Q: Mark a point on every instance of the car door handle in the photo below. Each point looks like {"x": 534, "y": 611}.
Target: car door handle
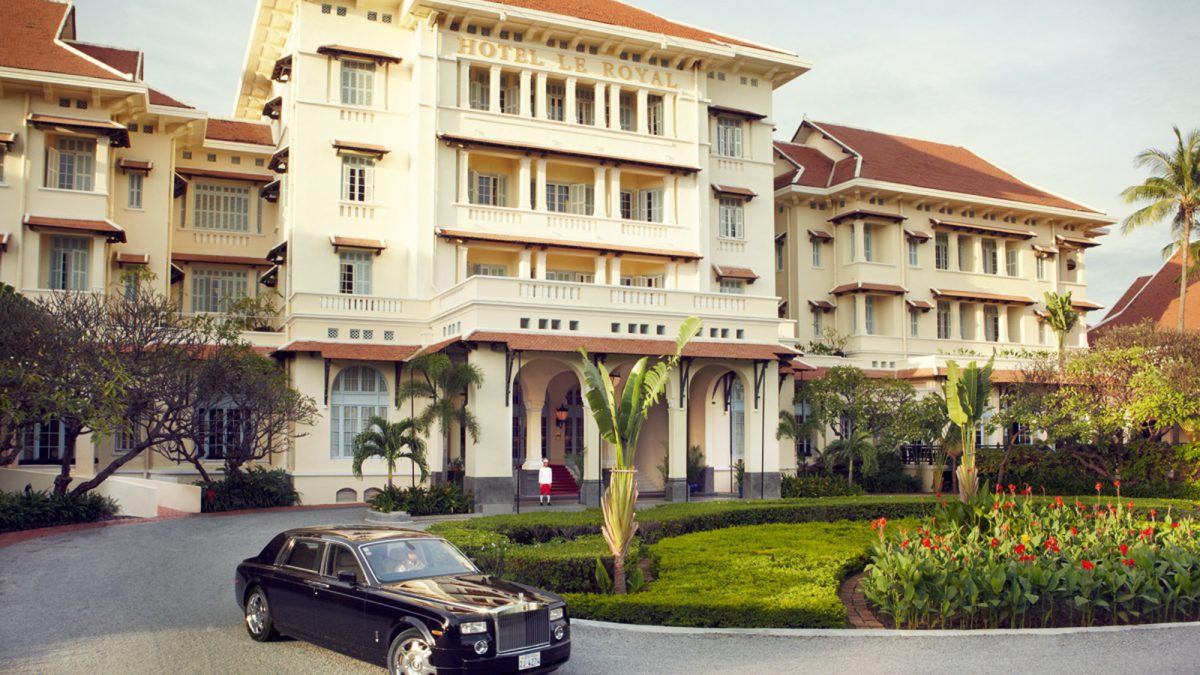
{"x": 316, "y": 584}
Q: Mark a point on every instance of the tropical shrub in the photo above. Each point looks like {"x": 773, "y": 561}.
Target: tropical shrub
{"x": 1014, "y": 561}
{"x": 889, "y": 477}
{"x": 31, "y": 509}
{"x": 1146, "y": 469}
{"x": 421, "y": 501}
{"x": 794, "y": 487}
{"x": 255, "y": 488}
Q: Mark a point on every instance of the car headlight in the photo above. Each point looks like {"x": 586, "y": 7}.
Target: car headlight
{"x": 556, "y": 613}
{"x": 473, "y": 627}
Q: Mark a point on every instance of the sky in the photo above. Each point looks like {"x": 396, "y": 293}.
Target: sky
{"x": 1061, "y": 93}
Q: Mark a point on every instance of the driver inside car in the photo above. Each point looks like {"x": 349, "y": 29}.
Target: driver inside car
{"x": 408, "y": 561}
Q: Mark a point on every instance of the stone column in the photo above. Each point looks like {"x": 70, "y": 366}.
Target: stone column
{"x": 640, "y": 124}
{"x": 669, "y": 116}
{"x": 523, "y": 106}
{"x": 524, "y": 265}
{"x": 539, "y": 267}
{"x": 671, "y": 282}
{"x": 676, "y": 489}
{"x": 598, "y": 193}
{"x": 460, "y": 263}
{"x": 856, "y": 231}
{"x": 1002, "y": 320}
{"x": 464, "y": 176}
{"x": 591, "y": 488}
{"x": 494, "y": 89}
{"x": 539, "y": 197}
{"x": 614, "y": 107}
{"x": 761, "y": 453}
{"x": 540, "y": 96}
{"x": 670, "y": 184}
{"x": 860, "y": 313}
{"x": 489, "y": 470}
{"x": 569, "y": 105}
{"x": 614, "y": 271}
{"x": 533, "y": 433}
{"x": 614, "y": 193}
{"x": 598, "y": 118}
{"x": 601, "y": 273}
{"x": 464, "y": 84}
{"x": 524, "y": 176}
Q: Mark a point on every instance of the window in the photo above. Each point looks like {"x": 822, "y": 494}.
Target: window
{"x": 853, "y": 315}
{"x": 573, "y": 277}
{"x": 1021, "y": 434}
{"x": 489, "y": 270}
{"x": 644, "y": 205}
{"x": 1012, "y": 261}
{"x": 358, "y": 179}
{"x": 358, "y": 82}
{"x": 729, "y": 137}
{"x": 943, "y": 320}
{"x": 818, "y": 322}
{"x": 341, "y": 559}
{"x": 627, "y": 111}
{"x": 964, "y": 253}
{"x": 358, "y": 394}
{"x": 43, "y": 442}
{"x": 816, "y": 253}
{"x": 732, "y": 213}
{"x": 1041, "y": 268}
{"x": 870, "y": 312}
{"x": 966, "y": 321}
{"x": 1041, "y": 332}
{"x": 585, "y": 104}
{"x": 220, "y": 431}
{"x": 733, "y": 286}
{"x": 480, "y": 88}
{"x": 71, "y": 164}
{"x": 913, "y": 254}
{"x": 488, "y": 189}
{"x": 216, "y": 290}
{"x": 868, "y": 243}
{"x": 306, "y": 555}
{"x": 69, "y": 259}
{"x": 991, "y": 323}
{"x": 578, "y": 199}
{"x": 354, "y": 272}
{"x": 804, "y": 444}
{"x": 779, "y": 256}
{"x": 135, "y": 190}
{"x": 941, "y": 251}
{"x": 556, "y": 101}
{"x": 654, "y": 115}
{"x": 991, "y": 262}
{"x": 221, "y": 207}
{"x": 737, "y": 419}
{"x": 914, "y": 323}
{"x": 642, "y": 281}
{"x": 510, "y": 94}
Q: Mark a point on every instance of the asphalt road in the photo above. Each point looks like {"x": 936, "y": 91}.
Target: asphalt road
{"x": 157, "y": 598}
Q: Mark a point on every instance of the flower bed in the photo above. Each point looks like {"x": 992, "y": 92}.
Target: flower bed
{"x": 1015, "y": 561}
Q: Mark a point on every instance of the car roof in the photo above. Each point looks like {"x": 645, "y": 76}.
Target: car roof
{"x": 358, "y": 533}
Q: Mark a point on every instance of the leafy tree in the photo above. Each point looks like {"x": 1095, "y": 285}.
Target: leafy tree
{"x": 967, "y": 393}
{"x": 1024, "y": 403}
{"x": 846, "y": 400}
{"x": 1061, "y": 317}
{"x": 858, "y": 446}
{"x": 444, "y": 384}
{"x": 620, "y": 422}
{"x": 1172, "y": 191}
{"x": 388, "y": 441}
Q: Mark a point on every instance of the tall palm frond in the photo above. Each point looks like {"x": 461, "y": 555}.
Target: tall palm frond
{"x": 1061, "y": 316}
{"x": 388, "y": 442}
{"x": 857, "y": 447}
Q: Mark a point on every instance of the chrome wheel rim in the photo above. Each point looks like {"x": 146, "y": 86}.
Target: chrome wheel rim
{"x": 256, "y": 613}
{"x": 412, "y": 658}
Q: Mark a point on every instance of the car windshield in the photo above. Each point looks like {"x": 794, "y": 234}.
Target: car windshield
{"x": 393, "y": 561}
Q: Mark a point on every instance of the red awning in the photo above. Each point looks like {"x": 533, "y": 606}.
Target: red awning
{"x": 350, "y": 351}
{"x": 730, "y": 272}
{"x": 858, "y": 214}
{"x": 735, "y": 112}
{"x": 105, "y": 228}
{"x": 223, "y": 175}
{"x": 979, "y": 296}
{"x": 219, "y": 259}
{"x": 377, "y": 245}
{"x": 861, "y": 287}
{"x": 118, "y": 136}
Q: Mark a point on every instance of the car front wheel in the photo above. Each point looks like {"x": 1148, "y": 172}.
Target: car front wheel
{"x": 410, "y": 654}
{"x": 259, "y": 623}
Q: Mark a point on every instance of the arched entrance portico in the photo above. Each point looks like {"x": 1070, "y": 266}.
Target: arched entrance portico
{"x": 548, "y": 421}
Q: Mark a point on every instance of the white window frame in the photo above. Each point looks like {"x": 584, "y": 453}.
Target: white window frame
{"x": 71, "y": 164}
{"x": 585, "y": 104}
{"x": 941, "y": 251}
{"x": 1012, "y": 261}
{"x": 779, "y": 256}
{"x": 914, "y": 254}
{"x": 510, "y": 93}
{"x": 480, "y": 88}
{"x": 357, "y": 82}
{"x": 729, "y": 137}
{"x": 70, "y": 263}
{"x": 556, "y": 101}
{"x": 358, "y": 179}
{"x": 853, "y": 315}
{"x": 869, "y": 313}
{"x": 656, "y": 115}
{"x": 732, "y": 218}
{"x": 487, "y": 189}
{"x": 991, "y": 323}
{"x": 354, "y": 272}
{"x": 627, "y": 110}
{"x": 816, "y": 253}
{"x": 642, "y": 281}
{"x": 643, "y": 205}
{"x": 1041, "y": 268}
{"x": 818, "y": 322}
{"x": 358, "y": 393}
{"x": 489, "y": 270}
{"x": 868, "y": 243}
{"x": 215, "y": 290}
{"x": 945, "y": 323}
{"x": 914, "y": 323}
{"x": 966, "y": 329}
{"x": 216, "y": 206}
{"x": 136, "y": 189}
{"x": 219, "y": 425}
{"x": 991, "y": 256}
{"x": 571, "y": 277}
{"x": 733, "y": 286}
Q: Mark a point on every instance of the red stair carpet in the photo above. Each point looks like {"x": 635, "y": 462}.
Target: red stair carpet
{"x": 564, "y": 483}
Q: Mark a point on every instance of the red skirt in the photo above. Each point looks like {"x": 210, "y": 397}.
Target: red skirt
{"x": 545, "y": 487}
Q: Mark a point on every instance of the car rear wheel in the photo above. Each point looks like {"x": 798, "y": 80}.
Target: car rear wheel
{"x": 259, "y": 623}
{"x": 410, "y": 654}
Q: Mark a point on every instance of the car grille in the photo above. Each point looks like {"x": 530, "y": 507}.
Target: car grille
{"x": 518, "y": 630}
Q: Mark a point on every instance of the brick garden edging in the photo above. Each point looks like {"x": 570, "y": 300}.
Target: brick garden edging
{"x": 858, "y": 612}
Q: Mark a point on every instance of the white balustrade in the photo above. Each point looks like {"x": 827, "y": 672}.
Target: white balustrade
{"x": 360, "y": 303}
{"x": 221, "y": 239}
{"x": 724, "y": 302}
{"x": 638, "y": 296}
{"x": 549, "y": 291}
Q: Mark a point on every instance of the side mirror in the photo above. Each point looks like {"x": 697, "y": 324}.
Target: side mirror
{"x": 347, "y": 577}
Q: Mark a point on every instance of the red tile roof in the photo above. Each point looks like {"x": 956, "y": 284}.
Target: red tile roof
{"x": 357, "y": 242}
{"x": 915, "y": 162}
{"x": 541, "y": 342}
{"x": 128, "y": 61}
{"x": 1155, "y": 298}
{"x": 159, "y": 98}
{"x": 817, "y": 167}
{"x": 731, "y": 272}
{"x": 106, "y": 228}
{"x": 219, "y": 259}
{"x": 234, "y": 131}
{"x": 349, "y": 351}
{"x": 612, "y": 13}
{"x": 30, "y": 28}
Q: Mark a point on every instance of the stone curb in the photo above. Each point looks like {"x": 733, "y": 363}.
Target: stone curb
{"x": 855, "y": 633}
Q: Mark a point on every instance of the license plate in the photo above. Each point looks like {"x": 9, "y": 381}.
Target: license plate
{"x": 527, "y": 661}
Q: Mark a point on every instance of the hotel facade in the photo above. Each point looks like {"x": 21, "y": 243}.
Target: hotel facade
{"x": 506, "y": 182}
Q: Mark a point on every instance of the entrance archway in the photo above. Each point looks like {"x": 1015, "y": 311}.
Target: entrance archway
{"x": 716, "y": 419}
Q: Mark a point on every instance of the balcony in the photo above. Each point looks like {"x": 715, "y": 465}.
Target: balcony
{"x": 570, "y": 226}
{"x": 348, "y": 306}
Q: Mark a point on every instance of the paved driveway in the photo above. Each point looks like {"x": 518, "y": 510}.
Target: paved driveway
{"x": 157, "y": 598}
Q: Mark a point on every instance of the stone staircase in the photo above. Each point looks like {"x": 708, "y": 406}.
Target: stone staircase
{"x": 564, "y": 483}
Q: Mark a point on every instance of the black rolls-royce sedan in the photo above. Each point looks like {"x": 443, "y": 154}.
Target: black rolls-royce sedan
{"x": 405, "y": 599}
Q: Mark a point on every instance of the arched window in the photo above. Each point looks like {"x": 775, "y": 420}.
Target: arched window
{"x": 359, "y": 392}
{"x": 346, "y": 496}
{"x": 370, "y": 493}
{"x": 737, "y": 419}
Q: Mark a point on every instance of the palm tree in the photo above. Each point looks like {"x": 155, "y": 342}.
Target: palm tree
{"x": 1061, "y": 317}
{"x": 442, "y": 382}
{"x": 857, "y": 446}
{"x": 620, "y": 422}
{"x": 1173, "y": 190}
{"x": 967, "y": 393}
{"x": 388, "y": 441}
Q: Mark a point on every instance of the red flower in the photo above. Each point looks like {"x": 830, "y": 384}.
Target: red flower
{"x": 1129, "y": 562}
{"x": 1153, "y": 513}
{"x": 995, "y": 542}
{"x": 1019, "y": 549}
{"x": 1012, "y": 489}
{"x": 211, "y": 495}
{"x": 1027, "y": 558}
{"x": 1099, "y": 486}
{"x": 1129, "y": 505}
{"x": 1117, "y": 484}
{"x": 1058, "y": 501}
{"x": 1175, "y": 525}
{"x": 1124, "y": 549}
{"x": 1009, "y": 505}
{"x": 1087, "y": 565}
{"x": 1074, "y": 531}
{"x": 926, "y": 543}
{"x": 1148, "y": 533}
{"x": 904, "y": 544}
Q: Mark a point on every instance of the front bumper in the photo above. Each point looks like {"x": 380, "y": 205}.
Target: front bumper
{"x": 458, "y": 661}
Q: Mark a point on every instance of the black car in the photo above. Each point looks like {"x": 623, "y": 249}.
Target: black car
{"x": 405, "y": 599}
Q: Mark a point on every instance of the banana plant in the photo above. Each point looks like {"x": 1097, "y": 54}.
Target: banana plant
{"x": 620, "y": 422}
{"x": 967, "y": 393}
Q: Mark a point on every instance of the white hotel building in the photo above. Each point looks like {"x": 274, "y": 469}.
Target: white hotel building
{"x": 504, "y": 181}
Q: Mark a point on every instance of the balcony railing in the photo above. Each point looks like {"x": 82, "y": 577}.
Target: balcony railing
{"x": 570, "y": 226}
{"x": 341, "y": 304}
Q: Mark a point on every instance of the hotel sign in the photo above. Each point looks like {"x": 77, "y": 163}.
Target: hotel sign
{"x": 575, "y": 65}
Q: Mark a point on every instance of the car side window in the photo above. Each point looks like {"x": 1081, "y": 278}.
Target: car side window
{"x": 305, "y": 555}
{"x": 341, "y": 559}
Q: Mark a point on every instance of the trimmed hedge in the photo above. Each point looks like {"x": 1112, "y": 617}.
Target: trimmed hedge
{"x": 30, "y": 510}
{"x": 809, "y": 486}
{"x": 255, "y": 488}
{"x": 758, "y": 576}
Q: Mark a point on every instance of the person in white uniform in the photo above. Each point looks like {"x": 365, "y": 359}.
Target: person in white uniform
{"x": 545, "y": 478}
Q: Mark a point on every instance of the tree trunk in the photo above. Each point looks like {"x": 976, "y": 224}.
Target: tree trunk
{"x": 107, "y": 471}
{"x": 850, "y": 472}
{"x": 1183, "y": 277}
{"x": 63, "y": 479}
{"x": 619, "y": 574}
{"x": 200, "y": 470}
